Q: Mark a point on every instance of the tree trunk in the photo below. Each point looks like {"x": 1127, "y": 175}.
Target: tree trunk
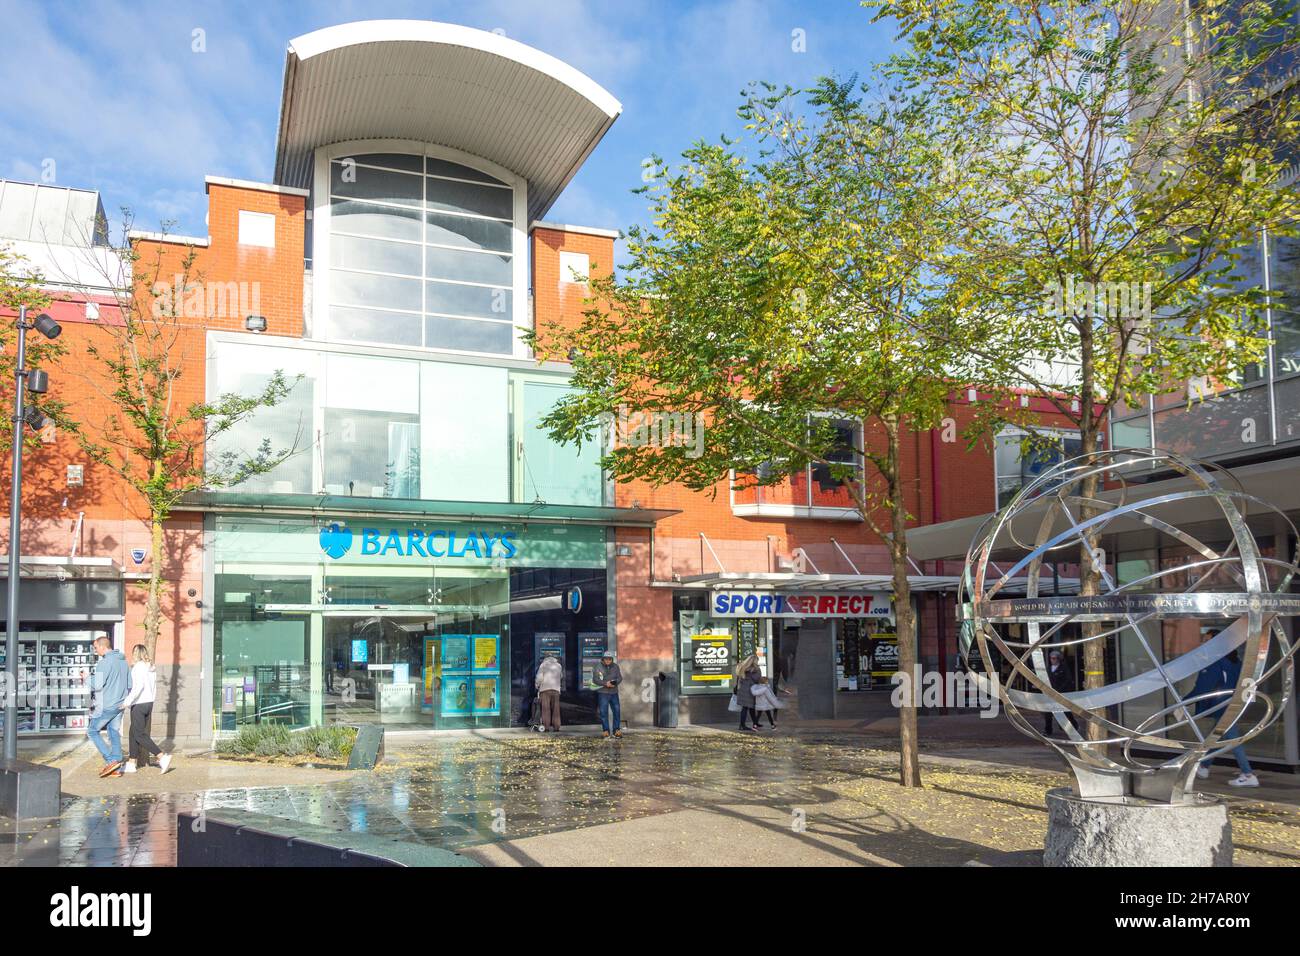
{"x": 153, "y": 604}
{"x": 909, "y": 770}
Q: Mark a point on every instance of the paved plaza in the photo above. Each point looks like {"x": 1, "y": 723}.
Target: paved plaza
{"x": 813, "y": 795}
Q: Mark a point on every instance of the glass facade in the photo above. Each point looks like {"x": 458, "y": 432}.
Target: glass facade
{"x": 1260, "y": 408}
{"x": 374, "y": 426}
{"x": 420, "y": 624}
{"x": 421, "y": 253}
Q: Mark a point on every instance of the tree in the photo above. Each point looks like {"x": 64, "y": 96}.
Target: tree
{"x": 1126, "y": 161}
{"x": 149, "y": 428}
{"x": 21, "y": 285}
{"x": 776, "y": 297}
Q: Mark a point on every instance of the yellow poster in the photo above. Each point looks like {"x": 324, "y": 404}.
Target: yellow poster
{"x": 485, "y": 653}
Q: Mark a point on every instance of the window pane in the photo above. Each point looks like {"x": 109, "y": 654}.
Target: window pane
{"x": 371, "y": 454}
{"x": 491, "y": 302}
{"x": 367, "y": 325}
{"x": 466, "y": 197}
{"x": 558, "y": 474}
{"x": 441, "y": 167}
{"x": 355, "y": 288}
{"x": 465, "y": 416}
{"x": 284, "y": 427}
{"x": 370, "y": 220}
{"x": 468, "y": 266}
{"x": 1284, "y": 273}
{"x": 469, "y": 335}
{"x": 363, "y": 182}
{"x": 403, "y": 161}
{"x": 467, "y": 233}
{"x": 375, "y": 255}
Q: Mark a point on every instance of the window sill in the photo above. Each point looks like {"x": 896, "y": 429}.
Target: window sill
{"x": 795, "y": 511}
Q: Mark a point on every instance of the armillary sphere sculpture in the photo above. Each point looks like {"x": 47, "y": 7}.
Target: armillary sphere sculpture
{"x": 1151, "y": 745}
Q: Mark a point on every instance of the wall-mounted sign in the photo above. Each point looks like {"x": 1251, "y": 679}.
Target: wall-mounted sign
{"x": 794, "y": 604}
{"x": 337, "y": 540}
{"x": 138, "y": 555}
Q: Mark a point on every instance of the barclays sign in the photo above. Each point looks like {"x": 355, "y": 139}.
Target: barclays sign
{"x": 337, "y": 541}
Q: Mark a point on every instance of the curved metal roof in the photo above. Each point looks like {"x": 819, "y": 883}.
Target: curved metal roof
{"x": 440, "y": 83}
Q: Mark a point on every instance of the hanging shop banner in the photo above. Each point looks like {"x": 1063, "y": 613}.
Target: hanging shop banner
{"x": 712, "y": 658}
{"x": 796, "y": 604}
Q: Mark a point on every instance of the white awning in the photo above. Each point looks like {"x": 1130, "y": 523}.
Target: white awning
{"x": 440, "y": 83}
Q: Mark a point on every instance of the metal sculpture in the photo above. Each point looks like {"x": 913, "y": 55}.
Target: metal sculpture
{"x": 1233, "y": 581}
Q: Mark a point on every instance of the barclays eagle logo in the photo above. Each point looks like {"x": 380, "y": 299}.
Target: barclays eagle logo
{"x": 335, "y": 541}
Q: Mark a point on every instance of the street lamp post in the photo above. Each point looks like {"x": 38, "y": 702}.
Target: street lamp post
{"x": 24, "y": 378}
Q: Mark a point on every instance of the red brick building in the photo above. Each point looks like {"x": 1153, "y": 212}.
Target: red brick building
{"x": 423, "y": 543}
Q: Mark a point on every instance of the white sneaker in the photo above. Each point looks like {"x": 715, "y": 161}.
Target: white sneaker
{"x": 128, "y": 767}
{"x": 541, "y": 730}
{"x": 165, "y": 762}
{"x": 1245, "y": 780}
{"x": 1203, "y": 773}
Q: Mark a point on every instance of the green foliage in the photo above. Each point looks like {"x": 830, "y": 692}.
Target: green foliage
{"x": 275, "y": 740}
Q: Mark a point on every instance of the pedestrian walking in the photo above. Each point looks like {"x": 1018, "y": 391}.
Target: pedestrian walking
{"x": 139, "y": 703}
{"x": 765, "y": 702}
{"x": 1222, "y": 676}
{"x": 606, "y": 676}
{"x": 550, "y": 678}
{"x": 747, "y": 674}
{"x": 109, "y": 684}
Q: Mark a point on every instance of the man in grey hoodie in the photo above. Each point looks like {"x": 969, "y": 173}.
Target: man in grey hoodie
{"x": 607, "y": 676}
{"x": 110, "y": 683}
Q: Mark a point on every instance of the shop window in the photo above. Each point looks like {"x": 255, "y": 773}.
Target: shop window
{"x": 1284, "y": 276}
{"x": 1020, "y": 457}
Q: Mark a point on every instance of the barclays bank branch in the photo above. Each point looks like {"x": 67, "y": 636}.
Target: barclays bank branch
{"x": 410, "y": 622}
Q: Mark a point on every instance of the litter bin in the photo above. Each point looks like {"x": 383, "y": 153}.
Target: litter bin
{"x": 666, "y": 700}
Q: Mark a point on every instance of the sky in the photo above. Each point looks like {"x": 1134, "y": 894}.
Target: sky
{"x": 116, "y": 97}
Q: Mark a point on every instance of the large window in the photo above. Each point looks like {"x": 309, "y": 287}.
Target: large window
{"x": 421, "y": 252}
{"x": 1019, "y": 457}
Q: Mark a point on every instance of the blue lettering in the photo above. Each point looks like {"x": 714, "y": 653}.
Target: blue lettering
{"x": 751, "y": 603}
{"x": 393, "y": 542}
{"x": 451, "y": 546}
{"x": 765, "y": 604}
{"x": 508, "y": 539}
{"x": 736, "y": 601}
{"x": 369, "y": 541}
{"x": 429, "y": 543}
{"x": 414, "y": 539}
{"x": 719, "y": 604}
{"x": 472, "y": 545}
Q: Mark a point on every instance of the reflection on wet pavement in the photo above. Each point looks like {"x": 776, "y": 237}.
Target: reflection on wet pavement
{"x": 461, "y": 791}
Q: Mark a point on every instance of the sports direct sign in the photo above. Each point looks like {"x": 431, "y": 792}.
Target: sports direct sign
{"x": 794, "y": 604}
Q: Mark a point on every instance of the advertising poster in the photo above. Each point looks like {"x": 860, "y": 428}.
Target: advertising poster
{"x": 455, "y": 696}
{"x": 360, "y": 651}
{"x": 884, "y": 655}
{"x": 432, "y": 674}
{"x": 455, "y": 652}
{"x": 485, "y": 696}
{"x": 591, "y": 644}
{"x": 485, "y": 652}
{"x": 712, "y": 658}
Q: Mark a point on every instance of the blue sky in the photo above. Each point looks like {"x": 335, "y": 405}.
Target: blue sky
{"x": 116, "y": 97}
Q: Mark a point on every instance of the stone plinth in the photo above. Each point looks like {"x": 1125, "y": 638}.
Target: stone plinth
{"x": 1132, "y": 831}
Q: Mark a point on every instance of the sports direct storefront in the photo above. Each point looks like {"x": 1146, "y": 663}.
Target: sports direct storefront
{"x": 812, "y": 644}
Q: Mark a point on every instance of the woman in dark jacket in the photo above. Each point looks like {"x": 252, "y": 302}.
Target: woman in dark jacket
{"x": 746, "y": 674}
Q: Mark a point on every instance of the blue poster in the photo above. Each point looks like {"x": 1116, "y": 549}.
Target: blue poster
{"x": 360, "y": 651}
{"x": 456, "y": 699}
{"x": 455, "y": 653}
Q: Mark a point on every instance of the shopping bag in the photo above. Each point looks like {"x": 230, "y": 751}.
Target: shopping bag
{"x": 732, "y": 704}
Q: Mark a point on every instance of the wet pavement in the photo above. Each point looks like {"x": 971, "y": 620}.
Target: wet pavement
{"x": 476, "y": 790}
